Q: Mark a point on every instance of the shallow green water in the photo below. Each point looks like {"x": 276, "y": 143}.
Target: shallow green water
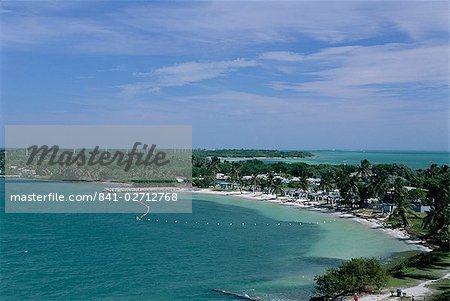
{"x": 413, "y": 159}
{"x": 251, "y": 247}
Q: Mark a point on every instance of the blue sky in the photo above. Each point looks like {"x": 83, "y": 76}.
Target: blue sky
{"x": 286, "y": 75}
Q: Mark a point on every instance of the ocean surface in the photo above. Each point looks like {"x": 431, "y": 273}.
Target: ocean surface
{"x": 261, "y": 249}
{"x": 413, "y": 159}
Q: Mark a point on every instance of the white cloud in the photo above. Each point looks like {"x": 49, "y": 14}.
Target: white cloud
{"x": 373, "y": 70}
{"x": 190, "y": 72}
{"x": 186, "y": 73}
{"x": 284, "y": 56}
{"x": 159, "y": 28}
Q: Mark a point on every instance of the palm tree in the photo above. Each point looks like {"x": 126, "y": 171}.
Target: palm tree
{"x": 198, "y": 161}
{"x": 438, "y": 219}
{"x": 432, "y": 171}
{"x": 401, "y": 201}
{"x": 236, "y": 174}
{"x": 304, "y": 184}
{"x": 269, "y": 182}
{"x": 378, "y": 184}
{"x": 363, "y": 193}
{"x": 327, "y": 182}
{"x": 294, "y": 184}
{"x": 365, "y": 169}
{"x": 277, "y": 187}
{"x": 348, "y": 188}
{"x": 213, "y": 167}
{"x": 254, "y": 182}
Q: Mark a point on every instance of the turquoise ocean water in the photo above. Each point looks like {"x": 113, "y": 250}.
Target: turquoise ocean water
{"x": 413, "y": 159}
{"x": 262, "y": 249}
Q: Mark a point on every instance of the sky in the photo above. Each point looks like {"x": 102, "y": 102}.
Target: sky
{"x": 359, "y": 75}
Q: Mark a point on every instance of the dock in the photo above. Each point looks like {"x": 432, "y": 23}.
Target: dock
{"x": 237, "y": 295}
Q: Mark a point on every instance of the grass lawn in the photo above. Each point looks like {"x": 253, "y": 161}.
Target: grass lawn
{"x": 412, "y": 276}
{"x": 415, "y": 222}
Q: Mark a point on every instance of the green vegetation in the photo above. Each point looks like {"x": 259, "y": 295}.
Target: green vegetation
{"x": 2, "y": 162}
{"x": 424, "y": 266}
{"x": 250, "y": 153}
{"x": 415, "y": 220}
{"x": 442, "y": 290}
{"x": 356, "y": 275}
{"x": 368, "y": 275}
{"x": 437, "y": 259}
{"x": 19, "y": 163}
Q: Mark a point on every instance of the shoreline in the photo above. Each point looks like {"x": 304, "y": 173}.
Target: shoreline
{"x": 374, "y": 224}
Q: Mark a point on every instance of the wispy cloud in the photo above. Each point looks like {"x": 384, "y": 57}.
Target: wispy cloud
{"x": 355, "y": 71}
{"x": 284, "y": 56}
{"x": 185, "y": 73}
{"x": 116, "y": 68}
{"x": 162, "y": 29}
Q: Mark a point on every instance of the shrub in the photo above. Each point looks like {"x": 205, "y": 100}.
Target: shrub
{"x": 356, "y": 275}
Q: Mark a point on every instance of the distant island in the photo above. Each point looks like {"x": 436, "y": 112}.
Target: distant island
{"x": 251, "y": 153}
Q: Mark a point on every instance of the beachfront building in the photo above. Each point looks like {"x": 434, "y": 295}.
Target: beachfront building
{"x": 418, "y": 207}
{"x": 313, "y": 182}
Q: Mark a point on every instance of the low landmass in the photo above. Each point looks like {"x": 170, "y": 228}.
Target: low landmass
{"x": 251, "y": 153}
